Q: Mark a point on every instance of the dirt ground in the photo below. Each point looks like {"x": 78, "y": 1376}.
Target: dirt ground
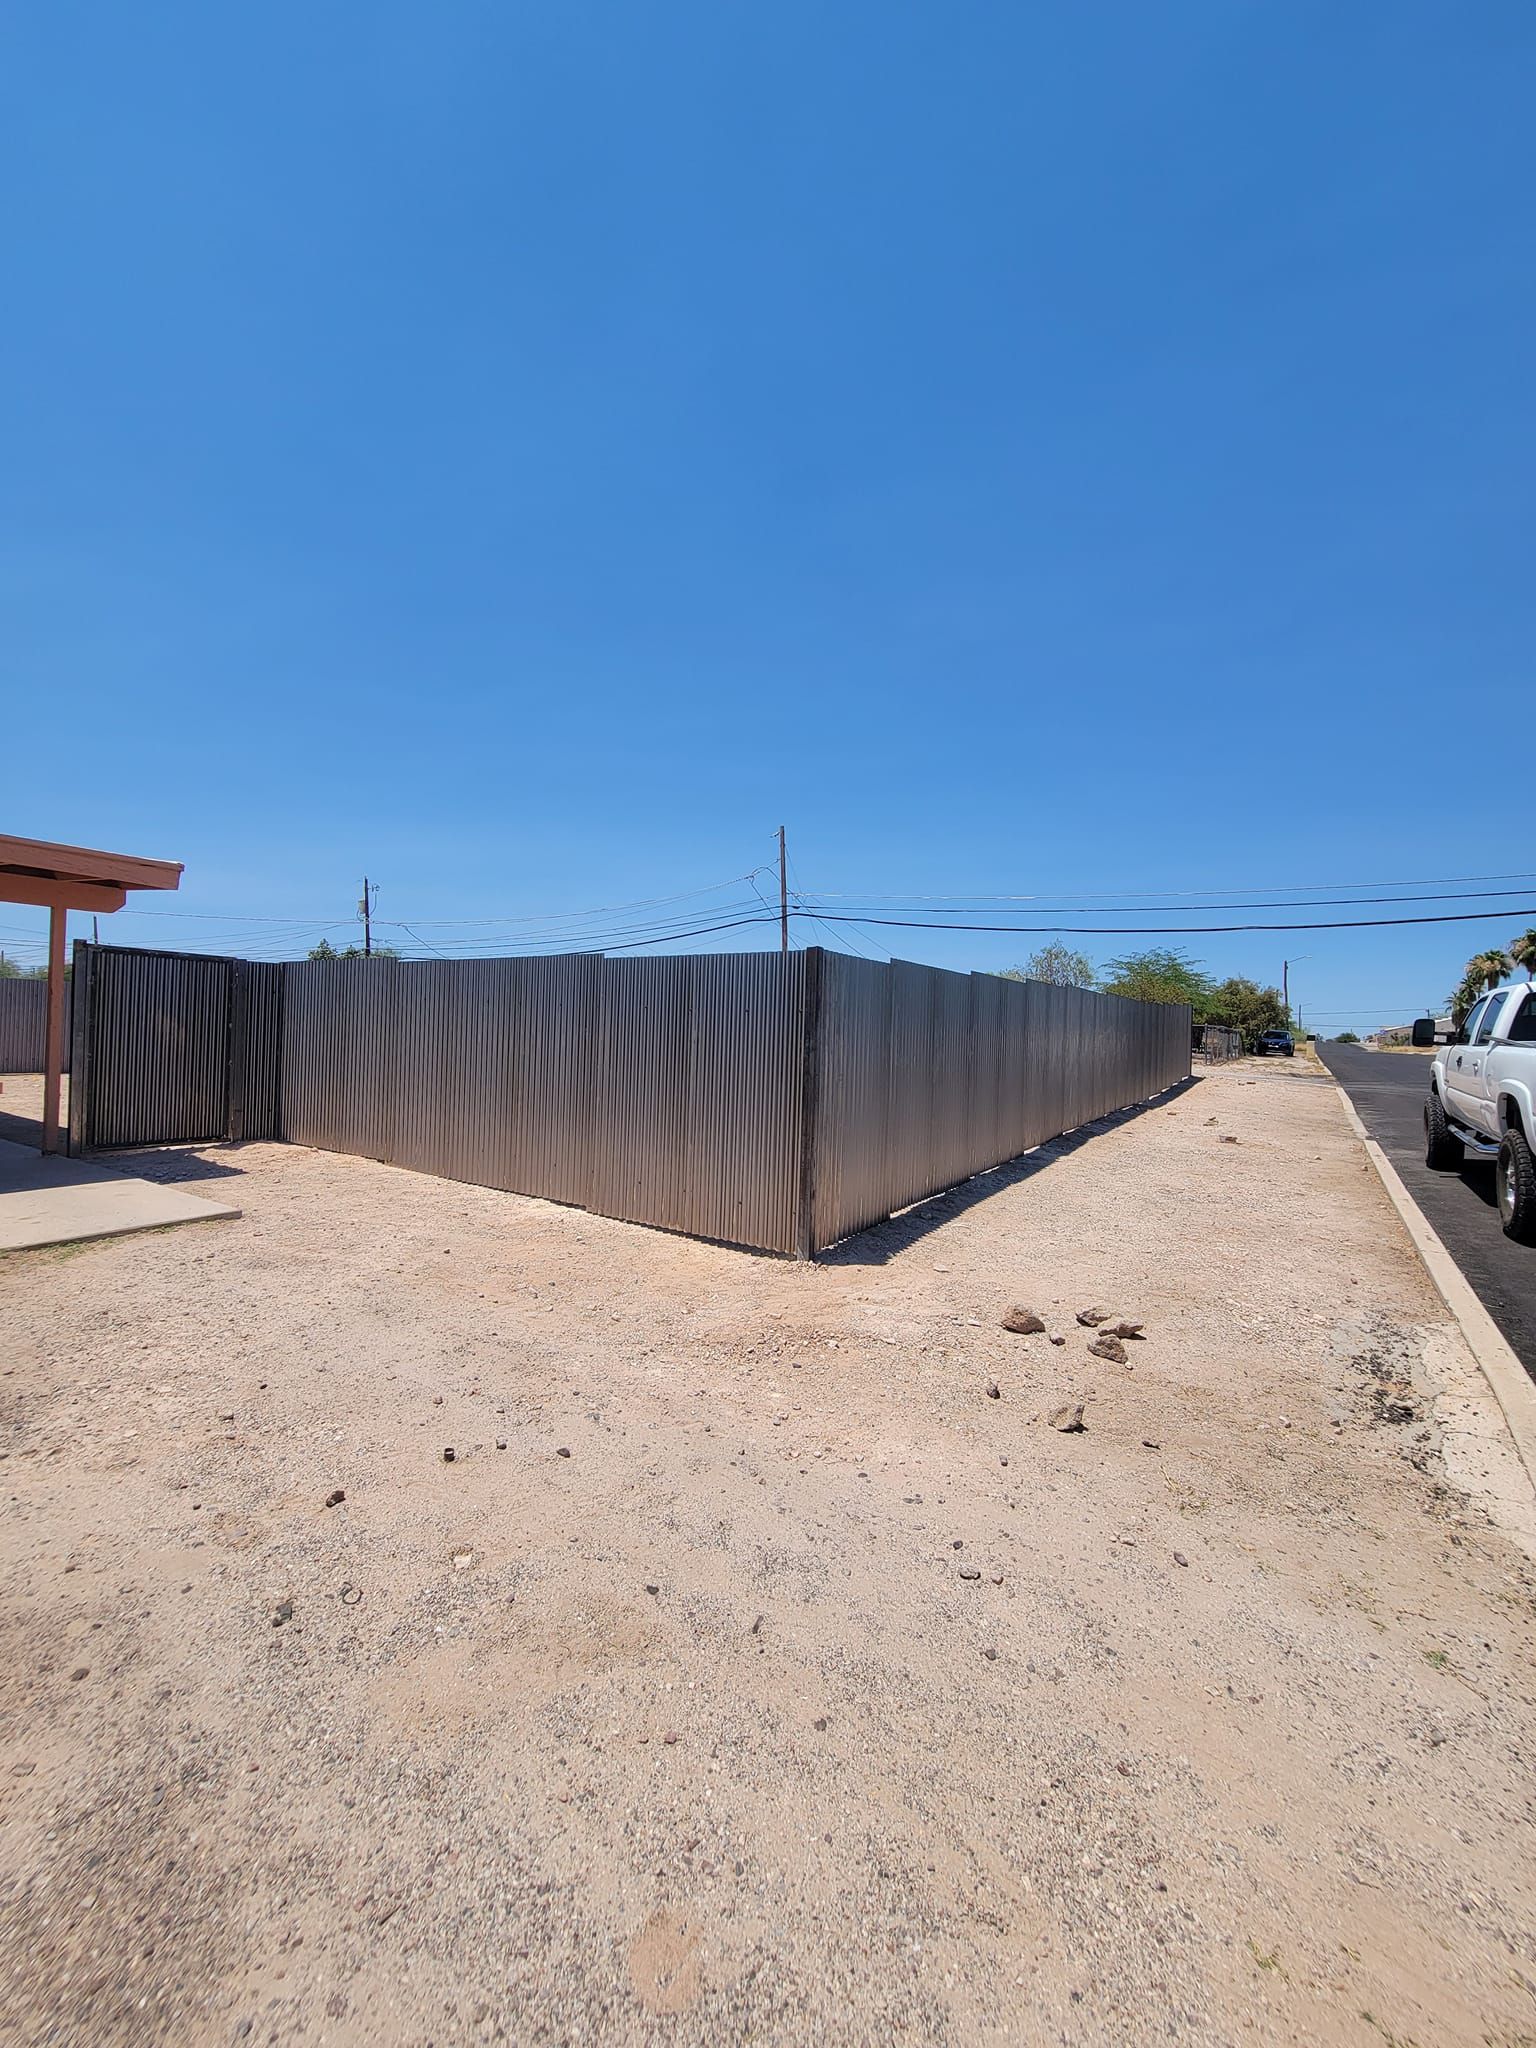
{"x": 775, "y": 1682}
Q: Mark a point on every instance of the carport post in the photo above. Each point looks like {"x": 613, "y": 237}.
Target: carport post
{"x": 53, "y": 1050}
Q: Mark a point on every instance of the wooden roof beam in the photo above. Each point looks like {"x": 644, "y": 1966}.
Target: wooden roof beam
{"x": 49, "y": 893}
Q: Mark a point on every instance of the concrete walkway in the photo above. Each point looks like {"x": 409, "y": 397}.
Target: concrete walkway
{"x": 61, "y": 1201}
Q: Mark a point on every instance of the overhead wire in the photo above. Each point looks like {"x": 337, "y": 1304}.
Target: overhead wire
{"x": 1187, "y": 931}
{"x": 848, "y": 943}
{"x": 1133, "y": 889}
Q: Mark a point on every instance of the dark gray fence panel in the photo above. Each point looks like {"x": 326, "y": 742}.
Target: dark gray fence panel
{"x": 339, "y": 1072}
{"x": 744, "y": 1087}
{"x": 24, "y": 1024}
{"x": 640, "y": 1104}
{"x": 850, "y": 1168}
{"x": 975, "y": 1069}
{"x": 255, "y": 1049}
{"x": 153, "y": 1042}
{"x": 697, "y": 1101}
{"x": 549, "y": 1134}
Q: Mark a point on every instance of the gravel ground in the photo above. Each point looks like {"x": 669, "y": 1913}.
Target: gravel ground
{"x": 775, "y": 1681}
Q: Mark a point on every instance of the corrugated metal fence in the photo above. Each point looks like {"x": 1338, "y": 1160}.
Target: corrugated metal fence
{"x": 925, "y": 1077}
{"x": 775, "y": 1101}
{"x": 23, "y": 1024}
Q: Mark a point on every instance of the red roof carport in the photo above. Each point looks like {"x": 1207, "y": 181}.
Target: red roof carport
{"x": 61, "y": 879}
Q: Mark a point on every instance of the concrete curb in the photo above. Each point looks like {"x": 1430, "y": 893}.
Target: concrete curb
{"x": 1512, "y": 1385}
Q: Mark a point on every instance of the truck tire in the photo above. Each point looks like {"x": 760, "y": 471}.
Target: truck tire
{"x": 1517, "y": 1188}
{"x": 1443, "y": 1151}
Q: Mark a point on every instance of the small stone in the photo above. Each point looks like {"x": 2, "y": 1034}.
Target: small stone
{"x": 653, "y": 1589}
{"x": 449, "y": 1454}
{"x": 1068, "y": 1418}
{"x": 334, "y": 1500}
{"x": 501, "y": 1443}
{"x": 1090, "y": 1318}
{"x": 563, "y": 1452}
{"x": 994, "y": 1391}
{"x": 1130, "y": 1330}
{"x": 1150, "y": 1443}
{"x": 969, "y": 1571}
{"x": 80, "y": 1671}
{"x": 1057, "y": 1337}
{"x": 669, "y": 1738}
{"x": 990, "y": 1654}
{"x": 1003, "y": 1460}
{"x": 1180, "y": 1558}
{"x": 1110, "y": 1348}
{"x": 1227, "y": 1138}
{"x": 1022, "y": 1321}
{"x": 437, "y": 1400}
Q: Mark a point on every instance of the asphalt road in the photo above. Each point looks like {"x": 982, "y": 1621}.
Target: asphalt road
{"x": 1388, "y": 1090}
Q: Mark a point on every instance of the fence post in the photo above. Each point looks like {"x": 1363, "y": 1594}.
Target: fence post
{"x": 80, "y": 979}
{"x": 237, "y": 1050}
{"x": 810, "y": 1035}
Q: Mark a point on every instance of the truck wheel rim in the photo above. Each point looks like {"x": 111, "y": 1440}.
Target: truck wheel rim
{"x": 1506, "y": 1192}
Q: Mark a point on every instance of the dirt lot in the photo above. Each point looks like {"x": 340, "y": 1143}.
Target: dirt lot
{"x": 775, "y": 1682}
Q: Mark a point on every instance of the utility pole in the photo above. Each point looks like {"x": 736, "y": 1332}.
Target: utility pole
{"x": 95, "y": 931}
{"x": 783, "y": 895}
{"x": 1285, "y": 980}
{"x": 365, "y": 912}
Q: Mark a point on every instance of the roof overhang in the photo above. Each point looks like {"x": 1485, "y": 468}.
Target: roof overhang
{"x": 56, "y": 877}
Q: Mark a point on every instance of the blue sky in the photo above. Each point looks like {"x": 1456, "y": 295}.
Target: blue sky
{"x": 529, "y": 453}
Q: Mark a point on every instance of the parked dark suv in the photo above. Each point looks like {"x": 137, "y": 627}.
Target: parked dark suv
{"x": 1276, "y": 1041}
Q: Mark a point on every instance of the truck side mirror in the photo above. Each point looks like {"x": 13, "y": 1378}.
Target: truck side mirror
{"x": 1423, "y": 1030}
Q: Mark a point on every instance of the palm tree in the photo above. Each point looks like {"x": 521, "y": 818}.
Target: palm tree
{"x": 1463, "y": 996}
{"x": 1523, "y": 952}
{"x": 1488, "y": 969}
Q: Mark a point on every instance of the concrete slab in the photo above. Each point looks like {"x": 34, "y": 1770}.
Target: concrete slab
{"x": 63, "y": 1201}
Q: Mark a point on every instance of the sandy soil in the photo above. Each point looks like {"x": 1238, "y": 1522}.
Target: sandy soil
{"x": 774, "y": 1682}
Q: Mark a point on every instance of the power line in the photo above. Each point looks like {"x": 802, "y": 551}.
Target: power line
{"x": 1131, "y": 889}
{"x": 1178, "y": 931}
{"x": 1185, "y": 909}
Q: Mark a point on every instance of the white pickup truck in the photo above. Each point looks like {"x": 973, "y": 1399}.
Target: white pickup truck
{"x": 1482, "y": 1099}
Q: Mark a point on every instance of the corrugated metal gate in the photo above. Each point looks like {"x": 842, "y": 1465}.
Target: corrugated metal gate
{"x": 775, "y": 1101}
{"x": 150, "y": 1047}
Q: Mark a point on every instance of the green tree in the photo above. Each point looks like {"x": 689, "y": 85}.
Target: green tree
{"x": 1488, "y": 969}
{"x": 1461, "y": 998}
{"x": 326, "y": 951}
{"x": 1522, "y": 951}
{"x": 1060, "y": 965}
{"x": 1162, "y": 975}
{"x": 1347, "y": 1038}
{"x": 1247, "y": 1008}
